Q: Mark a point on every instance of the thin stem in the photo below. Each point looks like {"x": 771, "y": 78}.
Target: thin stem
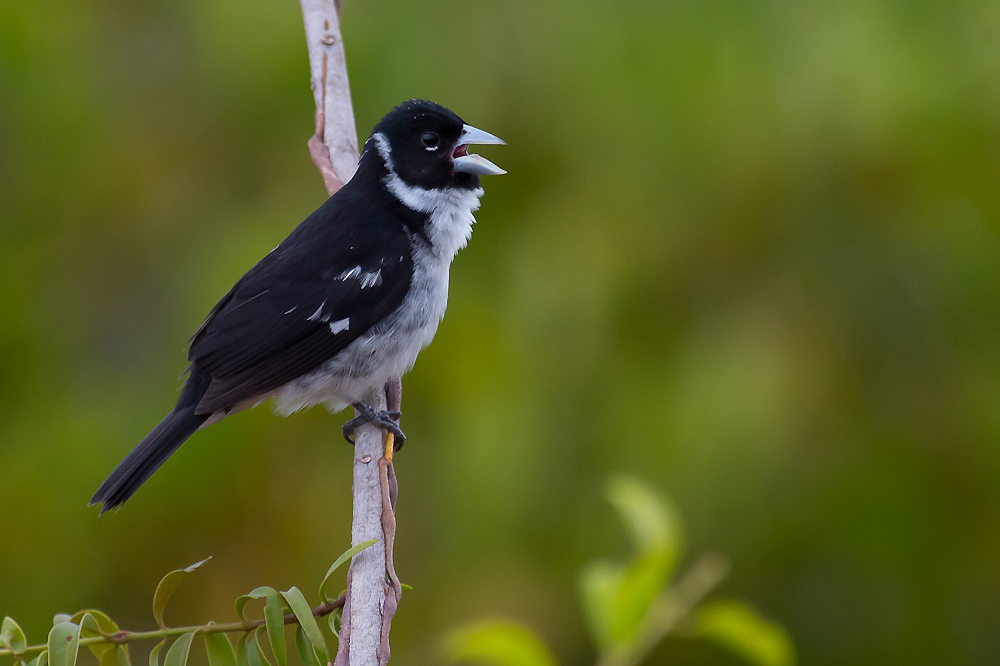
{"x": 123, "y": 636}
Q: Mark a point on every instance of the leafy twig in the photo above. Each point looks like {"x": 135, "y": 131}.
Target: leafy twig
{"x": 670, "y": 609}
{"x": 124, "y": 636}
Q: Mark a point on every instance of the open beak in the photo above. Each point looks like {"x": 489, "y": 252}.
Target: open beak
{"x": 477, "y": 164}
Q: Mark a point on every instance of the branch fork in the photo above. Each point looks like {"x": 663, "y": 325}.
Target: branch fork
{"x": 321, "y": 156}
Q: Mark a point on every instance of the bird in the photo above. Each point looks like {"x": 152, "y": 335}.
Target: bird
{"x": 345, "y": 303}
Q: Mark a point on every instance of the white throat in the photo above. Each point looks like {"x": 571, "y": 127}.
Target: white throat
{"x": 450, "y": 210}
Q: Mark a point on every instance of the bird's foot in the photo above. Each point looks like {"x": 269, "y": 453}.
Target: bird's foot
{"x": 386, "y": 419}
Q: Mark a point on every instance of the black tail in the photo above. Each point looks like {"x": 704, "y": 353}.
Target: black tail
{"x": 157, "y": 446}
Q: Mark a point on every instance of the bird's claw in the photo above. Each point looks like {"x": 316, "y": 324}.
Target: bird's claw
{"x": 386, "y": 419}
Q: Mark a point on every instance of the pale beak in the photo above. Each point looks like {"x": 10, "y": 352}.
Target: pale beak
{"x": 477, "y": 164}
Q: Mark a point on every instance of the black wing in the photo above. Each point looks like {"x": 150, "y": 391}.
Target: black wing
{"x": 302, "y": 304}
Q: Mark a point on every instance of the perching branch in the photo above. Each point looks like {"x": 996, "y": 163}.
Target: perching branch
{"x": 373, "y": 590}
{"x": 361, "y": 627}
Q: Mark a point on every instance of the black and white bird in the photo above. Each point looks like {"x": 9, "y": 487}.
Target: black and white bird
{"x": 346, "y": 302}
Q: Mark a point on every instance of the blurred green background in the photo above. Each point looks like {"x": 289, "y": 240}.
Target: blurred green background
{"x": 747, "y": 252}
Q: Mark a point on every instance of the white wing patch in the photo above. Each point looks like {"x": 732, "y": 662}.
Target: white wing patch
{"x": 371, "y": 279}
{"x": 316, "y": 316}
{"x": 366, "y": 279}
{"x": 335, "y": 326}
{"x": 349, "y": 274}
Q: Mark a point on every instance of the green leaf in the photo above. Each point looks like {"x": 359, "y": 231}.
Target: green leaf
{"x": 178, "y": 653}
{"x": 498, "y": 643}
{"x": 346, "y": 555}
{"x": 108, "y": 656}
{"x": 241, "y": 651}
{"x": 41, "y": 660}
{"x": 599, "y": 583}
{"x": 154, "y": 656}
{"x": 59, "y": 618}
{"x": 166, "y": 588}
{"x": 88, "y": 624}
{"x": 334, "y": 619}
{"x": 653, "y": 521}
{"x": 641, "y": 584}
{"x": 95, "y": 623}
{"x": 104, "y": 623}
{"x": 255, "y": 654}
{"x": 307, "y": 653}
{"x": 12, "y": 636}
{"x": 64, "y": 641}
{"x": 617, "y": 598}
{"x": 122, "y": 655}
{"x": 303, "y": 613}
{"x": 106, "y": 653}
{"x": 219, "y": 649}
{"x": 739, "y": 628}
{"x": 274, "y": 619}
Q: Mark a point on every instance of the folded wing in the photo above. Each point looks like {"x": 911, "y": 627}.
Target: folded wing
{"x": 294, "y": 311}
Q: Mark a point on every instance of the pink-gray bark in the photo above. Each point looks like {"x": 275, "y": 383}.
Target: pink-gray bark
{"x": 373, "y": 590}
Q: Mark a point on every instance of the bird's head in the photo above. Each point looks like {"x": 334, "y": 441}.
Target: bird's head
{"x": 427, "y": 146}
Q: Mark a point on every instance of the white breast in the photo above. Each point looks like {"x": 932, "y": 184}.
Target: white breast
{"x": 390, "y": 348}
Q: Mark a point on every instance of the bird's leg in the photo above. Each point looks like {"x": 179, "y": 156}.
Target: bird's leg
{"x": 394, "y": 402}
{"x": 379, "y": 417}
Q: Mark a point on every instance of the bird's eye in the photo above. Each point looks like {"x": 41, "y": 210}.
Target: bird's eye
{"x": 430, "y": 139}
